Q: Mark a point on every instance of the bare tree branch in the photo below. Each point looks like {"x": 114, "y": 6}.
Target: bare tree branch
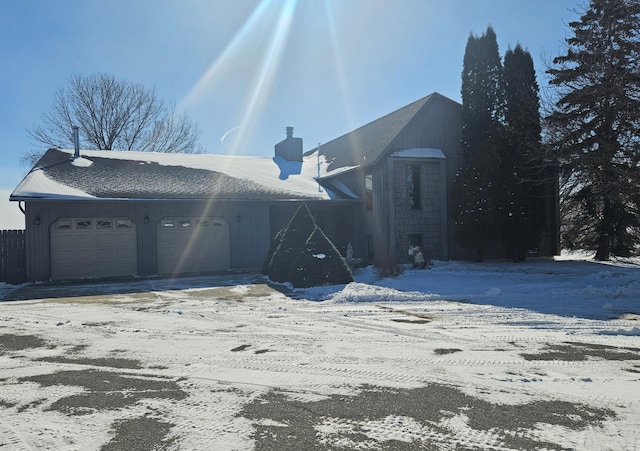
{"x": 112, "y": 115}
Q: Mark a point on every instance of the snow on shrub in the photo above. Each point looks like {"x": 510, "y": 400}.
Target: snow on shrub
{"x": 292, "y": 239}
{"x": 319, "y": 263}
{"x": 274, "y": 245}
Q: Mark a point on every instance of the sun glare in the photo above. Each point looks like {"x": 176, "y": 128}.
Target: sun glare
{"x": 259, "y": 92}
{"x": 260, "y": 89}
{"x": 209, "y": 78}
{"x": 338, "y": 63}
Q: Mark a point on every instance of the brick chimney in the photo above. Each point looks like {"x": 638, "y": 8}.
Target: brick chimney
{"x": 290, "y": 148}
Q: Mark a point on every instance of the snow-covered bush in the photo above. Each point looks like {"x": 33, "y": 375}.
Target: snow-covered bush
{"x": 274, "y": 245}
{"x": 295, "y": 235}
{"x": 304, "y": 256}
{"x": 319, "y": 263}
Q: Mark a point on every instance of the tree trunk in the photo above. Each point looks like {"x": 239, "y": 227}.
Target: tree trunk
{"x": 603, "y": 252}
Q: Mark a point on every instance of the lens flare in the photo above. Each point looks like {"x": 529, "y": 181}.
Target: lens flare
{"x": 258, "y": 93}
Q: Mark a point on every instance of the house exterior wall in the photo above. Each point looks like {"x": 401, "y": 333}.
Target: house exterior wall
{"x": 390, "y": 221}
{"x": 251, "y": 226}
{"x": 427, "y": 221}
{"x": 249, "y": 238}
{"x": 439, "y": 126}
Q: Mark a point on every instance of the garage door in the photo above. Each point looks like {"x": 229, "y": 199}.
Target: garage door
{"x": 93, "y": 247}
{"x": 192, "y": 245}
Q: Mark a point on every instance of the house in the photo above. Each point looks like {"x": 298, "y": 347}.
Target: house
{"x": 381, "y": 188}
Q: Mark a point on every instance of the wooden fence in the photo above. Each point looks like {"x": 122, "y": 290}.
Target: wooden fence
{"x": 13, "y": 257}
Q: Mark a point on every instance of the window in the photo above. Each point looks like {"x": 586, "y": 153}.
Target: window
{"x": 63, "y": 224}
{"x": 83, "y": 224}
{"x": 123, "y": 224}
{"x": 413, "y": 186}
{"x": 104, "y": 223}
{"x": 184, "y": 222}
{"x": 202, "y": 223}
{"x": 368, "y": 191}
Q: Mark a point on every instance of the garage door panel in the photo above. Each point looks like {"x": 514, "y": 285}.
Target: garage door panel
{"x": 106, "y": 254}
{"x": 106, "y": 240}
{"x": 62, "y": 243}
{"x": 84, "y": 240}
{"x": 188, "y": 245}
{"x": 125, "y": 240}
{"x": 93, "y": 247}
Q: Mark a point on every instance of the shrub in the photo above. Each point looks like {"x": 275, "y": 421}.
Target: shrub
{"x": 300, "y": 227}
{"x": 319, "y": 263}
{"x": 388, "y": 268}
{"x": 274, "y": 245}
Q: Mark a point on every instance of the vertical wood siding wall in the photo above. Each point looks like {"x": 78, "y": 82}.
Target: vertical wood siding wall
{"x": 252, "y": 225}
{"x": 13, "y": 268}
{"x": 249, "y": 236}
{"x": 436, "y": 127}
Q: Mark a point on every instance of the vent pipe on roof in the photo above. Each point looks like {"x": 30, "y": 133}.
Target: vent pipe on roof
{"x": 76, "y": 142}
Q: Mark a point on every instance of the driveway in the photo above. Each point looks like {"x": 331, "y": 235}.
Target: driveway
{"x": 228, "y": 362}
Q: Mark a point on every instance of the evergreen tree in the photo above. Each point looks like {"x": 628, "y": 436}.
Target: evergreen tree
{"x": 595, "y": 128}
{"x": 319, "y": 263}
{"x": 275, "y": 242}
{"x": 300, "y": 227}
{"x": 521, "y": 211}
{"x": 483, "y": 109}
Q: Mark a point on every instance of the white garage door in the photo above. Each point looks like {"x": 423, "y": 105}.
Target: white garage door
{"x": 192, "y": 245}
{"x": 93, "y": 247}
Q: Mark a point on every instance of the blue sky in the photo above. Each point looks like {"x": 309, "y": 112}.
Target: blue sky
{"x": 254, "y": 67}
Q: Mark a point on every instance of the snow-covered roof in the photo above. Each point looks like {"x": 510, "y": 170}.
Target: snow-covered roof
{"x": 419, "y": 153}
{"x": 373, "y": 141}
{"x": 148, "y": 175}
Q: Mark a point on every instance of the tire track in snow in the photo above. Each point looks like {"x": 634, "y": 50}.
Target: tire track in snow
{"x": 12, "y": 439}
{"x": 207, "y": 419}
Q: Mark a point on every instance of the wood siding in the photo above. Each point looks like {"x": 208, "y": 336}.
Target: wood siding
{"x": 251, "y": 226}
{"x": 437, "y": 126}
{"x": 248, "y": 234}
{"x": 427, "y": 220}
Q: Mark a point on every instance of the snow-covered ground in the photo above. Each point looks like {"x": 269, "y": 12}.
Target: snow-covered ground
{"x": 538, "y": 355}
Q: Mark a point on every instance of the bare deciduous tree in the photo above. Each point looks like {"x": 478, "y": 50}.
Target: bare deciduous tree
{"x": 112, "y": 115}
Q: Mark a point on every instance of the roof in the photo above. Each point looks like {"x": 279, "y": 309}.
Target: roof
{"x": 147, "y": 175}
{"x": 369, "y": 143}
{"x": 102, "y": 174}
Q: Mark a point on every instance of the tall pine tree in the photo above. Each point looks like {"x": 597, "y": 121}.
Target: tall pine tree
{"x": 521, "y": 211}
{"x": 483, "y": 109}
{"x": 595, "y": 128}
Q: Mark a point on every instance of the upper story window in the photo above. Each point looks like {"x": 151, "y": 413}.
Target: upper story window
{"x": 413, "y": 187}
{"x": 368, "y": 191}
